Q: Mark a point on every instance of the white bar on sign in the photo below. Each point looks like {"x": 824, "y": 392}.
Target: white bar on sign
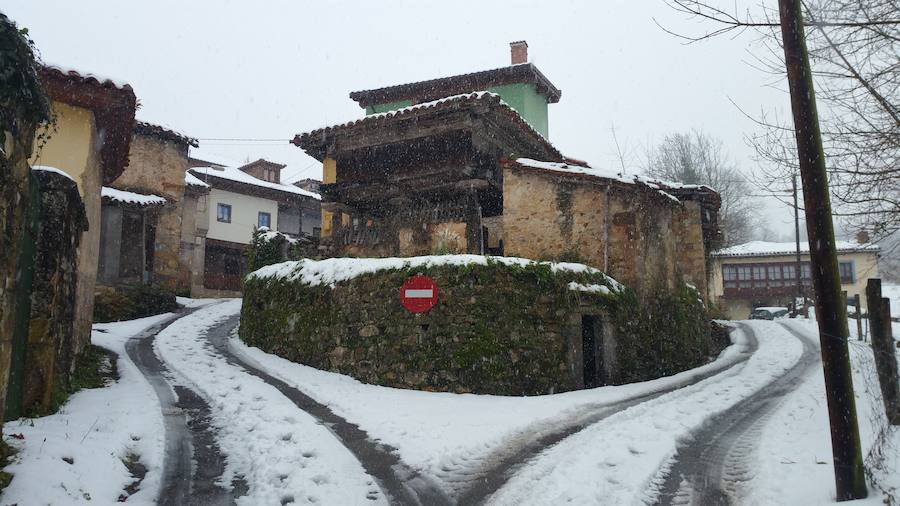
{"x": 419, "y": 294}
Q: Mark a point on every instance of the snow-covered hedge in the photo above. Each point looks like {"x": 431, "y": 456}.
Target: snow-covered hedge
{"x": 502, "y": 325}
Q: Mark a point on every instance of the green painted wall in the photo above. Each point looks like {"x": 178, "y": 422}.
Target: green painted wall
{"x": 530, "y": 104}
{"x": 391, "y": 106}
{"x": 522, "y": 97}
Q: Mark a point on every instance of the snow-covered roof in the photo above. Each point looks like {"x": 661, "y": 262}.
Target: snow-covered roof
{"x": 764, "y": 248}
{"x": 239, "y": 176}
{"x": 126, "y": 197}
{"x": 204, "y": 155}
{"x": 52, "y": 169}
{"x": 613, "y": 175}
{"x": 164, "y": 133}
{"x": 492, "y": 100}
{"x": 192, "y": 180}
{"x": 335, "y": 270}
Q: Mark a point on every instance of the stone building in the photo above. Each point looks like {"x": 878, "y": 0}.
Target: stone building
{"x": 146, "y": 221}
{"x": 90, "y": 143}
{"x": 83, "y": 147}
{"x": 128, "y": 232}
{"x": 463, "y": 164}
{"x": 648, "y": 234}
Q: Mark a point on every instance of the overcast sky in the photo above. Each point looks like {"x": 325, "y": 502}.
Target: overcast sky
{"x": 269, "y": 70}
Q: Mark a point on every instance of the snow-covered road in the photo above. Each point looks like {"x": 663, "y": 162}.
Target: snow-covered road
{"x": 714, "y": 462}
{"x": 258, "y": 429}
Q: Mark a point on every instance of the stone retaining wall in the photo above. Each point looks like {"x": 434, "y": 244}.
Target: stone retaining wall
{"x": 51, "y": 347}
{"x": 497, "y": 328}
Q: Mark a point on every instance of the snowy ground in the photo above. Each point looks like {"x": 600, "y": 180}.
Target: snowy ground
{"x": 794, "y": 455}
{"x": 445, "y": 434}
{"x": 282, "y": 453}
{"x": 615, "y": 461}
{"x": 95, "y": 431}
{"x": 892, "y": 292}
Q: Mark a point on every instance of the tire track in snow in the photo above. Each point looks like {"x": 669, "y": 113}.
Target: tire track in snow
{"x": 400, "y": 483}
{"x": 711, "y": 467}
{"x": 495, "y": 471}
{"x": 188, "y": 436}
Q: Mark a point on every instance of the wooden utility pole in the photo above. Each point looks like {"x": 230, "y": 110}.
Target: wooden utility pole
{"x": 831, "y": 314}
{"x": 884, "y": 350}
{"x": 797, "y": 238}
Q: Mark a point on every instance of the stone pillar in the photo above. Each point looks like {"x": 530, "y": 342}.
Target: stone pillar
{"x": 51, "y": 321}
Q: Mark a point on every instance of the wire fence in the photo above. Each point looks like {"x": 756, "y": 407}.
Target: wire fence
{"x": 881, "y": 460}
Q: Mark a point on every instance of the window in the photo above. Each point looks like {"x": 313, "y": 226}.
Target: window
{"x": 264, "y": 220}
{"x": 759, "y": 276}
{"x": 847, "y": 274}
{"x": 223, "y": 213}
{"x": 775, "y": 275}
{"x": 744, "y": 276}
{"x": 805, "y": 273}
{"x": 729, "y": 273}
{"x": 790, "y": 272}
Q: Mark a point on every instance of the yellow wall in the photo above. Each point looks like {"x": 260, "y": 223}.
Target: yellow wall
{"x": 69, "y": 147}
{"x": 74, "y": 148}
{"x": 329, "y": 171}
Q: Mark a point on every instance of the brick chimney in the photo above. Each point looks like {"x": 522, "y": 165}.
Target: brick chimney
{"x": 862, "y": 237}
{"x": 519, "y": 52}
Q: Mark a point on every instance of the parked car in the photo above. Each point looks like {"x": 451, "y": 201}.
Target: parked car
{"x": 768, "y": 313}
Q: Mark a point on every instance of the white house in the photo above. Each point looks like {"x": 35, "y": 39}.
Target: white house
{"x": 241, "y": 199}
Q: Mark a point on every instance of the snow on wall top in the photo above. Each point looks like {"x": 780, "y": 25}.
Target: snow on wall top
{"x": 764, "y": 248}
{"x": 192, "y": 180}
{"x": 335, "y": 270}
{"x": 52, "y": 169}
{"x": 235, "y": 174}
{"x": 131, "y": 197}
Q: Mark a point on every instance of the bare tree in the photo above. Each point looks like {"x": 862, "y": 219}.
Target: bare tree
{"x": 696, "y": 158}
{"x": 854, "y": 49}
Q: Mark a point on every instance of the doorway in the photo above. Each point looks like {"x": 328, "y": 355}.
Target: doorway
{"x": 591, "y": 352}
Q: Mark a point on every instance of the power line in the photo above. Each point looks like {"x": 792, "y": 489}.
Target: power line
{"x": 241, "y": 139}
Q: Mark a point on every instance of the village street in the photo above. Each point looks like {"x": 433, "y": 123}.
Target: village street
{"x": 210, "y": 420}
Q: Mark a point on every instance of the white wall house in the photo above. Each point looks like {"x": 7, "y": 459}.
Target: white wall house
{"x": 240, "y": 200}
{"x": 234, "y": 216}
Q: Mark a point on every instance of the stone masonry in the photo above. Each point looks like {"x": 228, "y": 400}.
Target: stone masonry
{"x": 631, "y": 234}
{"x": 157, "y": 166}
{"x": 51, "y": 346}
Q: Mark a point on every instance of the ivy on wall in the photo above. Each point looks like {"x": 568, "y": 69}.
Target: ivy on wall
{"x": 23, "y": 104}
{"x": 498, "y": 328}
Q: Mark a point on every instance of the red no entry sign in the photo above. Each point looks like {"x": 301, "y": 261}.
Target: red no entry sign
{"x": 418, "y": 294}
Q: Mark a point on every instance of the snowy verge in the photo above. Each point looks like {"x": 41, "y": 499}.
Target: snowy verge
{"x": 95, "y": 431}
{"x": 445, "y": 435}
{"x": 794, "y": 464}
{"x": 615, "y": 460}
{"x": 282, "y": 453}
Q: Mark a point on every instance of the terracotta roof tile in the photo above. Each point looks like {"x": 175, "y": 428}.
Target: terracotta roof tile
{"x": 431, "y": 89}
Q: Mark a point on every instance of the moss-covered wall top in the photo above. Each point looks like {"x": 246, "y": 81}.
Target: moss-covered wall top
{"x": 501, "y": 325}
